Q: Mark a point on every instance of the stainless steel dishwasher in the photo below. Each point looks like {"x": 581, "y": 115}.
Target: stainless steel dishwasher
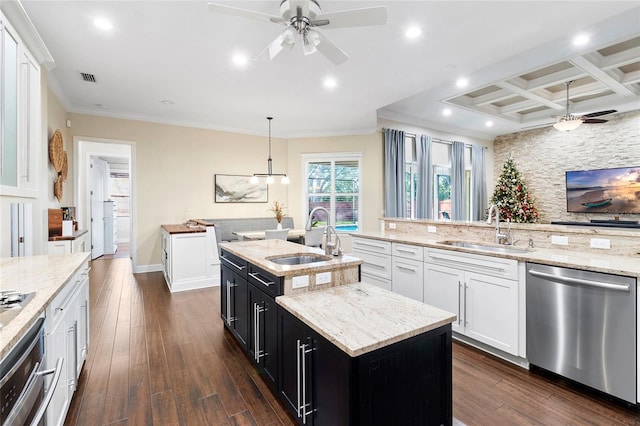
{"x": 582, "y": 325}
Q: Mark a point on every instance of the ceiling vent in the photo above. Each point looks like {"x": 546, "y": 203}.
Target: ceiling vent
{"x": 88, "y": 77}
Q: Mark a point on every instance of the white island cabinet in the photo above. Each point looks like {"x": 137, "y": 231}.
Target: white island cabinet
{"x": 189, "y": 257}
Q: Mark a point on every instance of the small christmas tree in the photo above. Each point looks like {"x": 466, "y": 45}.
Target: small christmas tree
{"x": 511, "y": 196}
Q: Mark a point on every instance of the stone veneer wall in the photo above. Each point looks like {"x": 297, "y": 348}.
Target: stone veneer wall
{"x": 543, "y": 156}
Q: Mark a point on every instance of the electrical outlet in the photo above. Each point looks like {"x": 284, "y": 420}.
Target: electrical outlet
{"x": 431, "y": 229}
{"x": 392, "y": 226}
{"x": 299, "y": 282}
{"x": 560, "y": 240}
{"x": 323, "y": 278}
{"x": 601, "y": 243}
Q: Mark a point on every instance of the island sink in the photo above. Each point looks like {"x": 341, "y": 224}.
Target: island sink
{"x": 485, "y": 247}
{"x": 299, "y": 259}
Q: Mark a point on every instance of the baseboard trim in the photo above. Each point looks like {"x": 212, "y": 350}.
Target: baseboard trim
{"x": 141, "y": 269}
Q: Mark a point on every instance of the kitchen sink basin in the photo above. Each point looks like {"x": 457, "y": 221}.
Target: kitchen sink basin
{"x": 299, "y": 259}
{"x": 486, "y": 247}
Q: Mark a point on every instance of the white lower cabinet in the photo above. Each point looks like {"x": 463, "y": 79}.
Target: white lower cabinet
{"x": 376, "y": 268}
{"x": 77, "y": 245}
{"x": 190, "y": 260}
{"x": 407, "y": 278}
{"x": 481, "y": 290}
{"x": 67, "y": 338}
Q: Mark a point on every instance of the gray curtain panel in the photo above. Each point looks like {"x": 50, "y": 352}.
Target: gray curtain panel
{"x": 457, "y": 182}
{"x": 394, "y": 171}
{"x": 478, "y": 182}
{"x": 424, "y": 196}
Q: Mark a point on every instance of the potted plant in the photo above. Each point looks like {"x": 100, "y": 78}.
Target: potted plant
{"x": 278, "y": 210}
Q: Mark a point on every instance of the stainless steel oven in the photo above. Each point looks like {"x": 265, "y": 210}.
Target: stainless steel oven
{"x": 22, "y": 375}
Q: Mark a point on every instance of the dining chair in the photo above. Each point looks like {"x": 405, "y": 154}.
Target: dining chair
{"x": 313, "y": 237}
{"x": 276, "y": 234}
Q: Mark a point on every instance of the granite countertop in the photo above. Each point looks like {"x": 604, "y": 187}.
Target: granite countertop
{"x": 76, "y": 234}
{"x": 590, "y": 261}
{"x": 257, "y": 252}
{"x": 44, "y": 275}
{"x": 359, "y": 318}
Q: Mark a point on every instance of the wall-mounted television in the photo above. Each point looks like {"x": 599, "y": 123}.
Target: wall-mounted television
{"x": 615, "y": 190}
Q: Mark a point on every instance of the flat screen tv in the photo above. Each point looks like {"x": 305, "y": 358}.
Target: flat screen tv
{"x": 615, "y": 190}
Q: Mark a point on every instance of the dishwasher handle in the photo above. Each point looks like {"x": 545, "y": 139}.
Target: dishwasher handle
{"x": 579, "y": 281}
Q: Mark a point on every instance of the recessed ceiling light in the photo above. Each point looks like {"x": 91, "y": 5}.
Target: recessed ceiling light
{"x": 330, "y": 83}
{"x": 446, "y": 112}
{"x": 103, "y": 24}
{"x": 488, "y": 123}
{"x": 462, "y": 82}
{"x": 413, "y": 32}
{"x": 580, "y": 40}
{"x": 240, "y": 59}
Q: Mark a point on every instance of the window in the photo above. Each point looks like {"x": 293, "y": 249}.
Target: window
{"x": 333, "y": 183}
{"x": 442, "y": 181}
{"x": 441, "y": 159}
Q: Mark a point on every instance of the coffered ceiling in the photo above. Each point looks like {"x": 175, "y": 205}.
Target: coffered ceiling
{"x": 170, "y": 62}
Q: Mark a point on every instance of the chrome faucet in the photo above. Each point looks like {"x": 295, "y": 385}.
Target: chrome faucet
{"x": 499, "y": 237}
{"x": 307, "y": 227}
{"x": 331, "y": 248}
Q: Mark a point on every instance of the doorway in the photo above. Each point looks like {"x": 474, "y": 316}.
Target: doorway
{"x": 90, "y": 194}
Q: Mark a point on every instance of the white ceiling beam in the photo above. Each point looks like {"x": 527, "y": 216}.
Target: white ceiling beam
{"x": 632, "y": 77}
{"x": 555, "y": 78}
{"x": 519, "y": 106}
{"x": 601, "y": 75}
{"x": 498, "y": 95}
{"x": 528, "y": 95}
{"x": 615, "y": 60}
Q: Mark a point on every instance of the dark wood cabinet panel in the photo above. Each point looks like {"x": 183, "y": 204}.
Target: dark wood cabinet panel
{"x": 234, "y": 298}
{"x": 406, "y": 383}
{"x": 263, "y": 334}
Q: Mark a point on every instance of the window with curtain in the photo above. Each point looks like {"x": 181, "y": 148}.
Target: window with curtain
{"x": 442, "y": 181}
{"x": 333, "y": 182}
{"x": 411, "y": 176}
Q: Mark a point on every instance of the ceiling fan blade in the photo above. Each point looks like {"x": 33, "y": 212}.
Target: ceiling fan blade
{"x": 330, "y": 50}
{"x": 243, "y": 13}
{"x": 356, "y": 17}
{"x": 599, "y": 113}
{"x": 594, "y": 120}
{"x": 275, "y": 47}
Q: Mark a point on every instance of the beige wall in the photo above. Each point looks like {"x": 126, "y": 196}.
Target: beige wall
{"x": 544, "y": 155}
{"x": 174, "y": 171}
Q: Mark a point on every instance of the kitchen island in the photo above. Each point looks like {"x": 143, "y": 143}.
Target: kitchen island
{"x": 336, "y": 350}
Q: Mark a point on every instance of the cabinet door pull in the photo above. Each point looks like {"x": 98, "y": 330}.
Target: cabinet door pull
{"x": 298, "y": 376}
{"x": 255, "y": 276}
{"x": 404, "y": 268}
{"x": 238, "y": 267}
{"x": 459, "y": 295}
{"x": 74, "y": 380}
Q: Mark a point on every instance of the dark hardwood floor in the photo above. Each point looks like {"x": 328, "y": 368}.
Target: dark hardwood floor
{"x": 158, "y": 358}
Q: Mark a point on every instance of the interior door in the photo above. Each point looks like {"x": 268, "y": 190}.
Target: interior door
{"x": 97, "y": 208}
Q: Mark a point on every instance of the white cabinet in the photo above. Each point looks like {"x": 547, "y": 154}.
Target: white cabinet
{"x": 110, "y": 228}
{"x": 190, "y": 260}
{"x": 376, "y": 255}
{"x": 20, "y": 115}
{"x": 481, "y": 290}
{"x": 67, "y": 337}
{"x": 77, "y": 245}
{"x": 407, "y": 270}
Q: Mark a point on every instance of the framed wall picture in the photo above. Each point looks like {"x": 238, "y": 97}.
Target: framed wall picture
{"x": 239, "y": 189}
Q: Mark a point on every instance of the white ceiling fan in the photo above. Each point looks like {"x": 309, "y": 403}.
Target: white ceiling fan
{"x": 570, "y": 121}
{"x": 300, "y": 17}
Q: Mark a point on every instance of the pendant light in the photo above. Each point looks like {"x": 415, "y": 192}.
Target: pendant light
{"x": 568, "y": 122}
{"x": 270, "y": 175}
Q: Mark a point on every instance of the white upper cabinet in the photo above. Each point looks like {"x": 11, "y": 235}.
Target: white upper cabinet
{"x": 20, "y": 113}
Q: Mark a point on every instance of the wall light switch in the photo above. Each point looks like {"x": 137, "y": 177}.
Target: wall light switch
{"x": 299, "y": 282}
{"x": 560, "y": 240}
{"x": 323, "y": 278}
{"x": 431, "y": 228}
{"x": 392, "y": 226}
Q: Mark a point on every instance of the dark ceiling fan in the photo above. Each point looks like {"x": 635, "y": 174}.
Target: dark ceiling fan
{"x": 300, "y": 18}
{"x": 570, "y": 121}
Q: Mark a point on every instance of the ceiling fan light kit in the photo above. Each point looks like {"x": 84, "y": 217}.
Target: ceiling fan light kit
{"x": 569, "y": 122}
{"x": 299, "y": 18}
{"x": 269, "y": 175}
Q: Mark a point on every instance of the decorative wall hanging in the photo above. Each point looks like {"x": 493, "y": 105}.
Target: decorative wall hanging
{"x": 239, "y": 189}
{"x": 58, "y": 158}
